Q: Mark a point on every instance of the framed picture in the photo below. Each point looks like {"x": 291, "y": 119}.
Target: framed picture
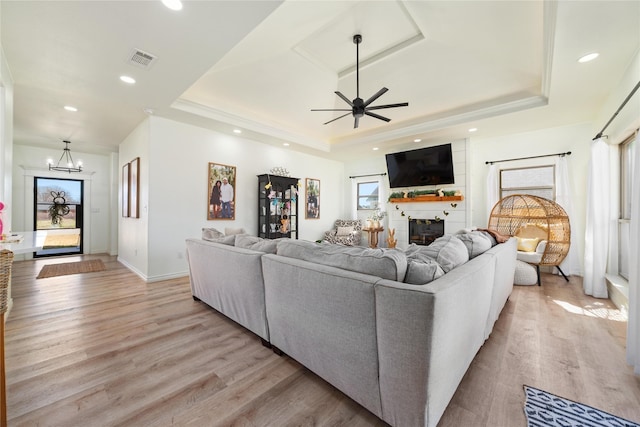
{"x": 312, "y": 204}
{"x": 221, "y": 196}
{"x": 125, "y": 190}
{"x": 134, "y": 184}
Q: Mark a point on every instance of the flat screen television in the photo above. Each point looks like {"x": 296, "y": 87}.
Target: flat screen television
{"x": 424, "y": 166}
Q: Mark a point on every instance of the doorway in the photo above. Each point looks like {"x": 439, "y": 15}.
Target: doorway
{"x": 58, "y": 210}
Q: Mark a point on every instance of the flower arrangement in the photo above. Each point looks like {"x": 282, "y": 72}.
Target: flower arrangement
{"x": 377, "y": 214}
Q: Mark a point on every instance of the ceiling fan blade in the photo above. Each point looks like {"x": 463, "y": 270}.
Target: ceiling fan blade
{"x": 355, "y": 124}
{"x": 344, "y": 98}
{"x": 377, "y": 116}
{"x": 377, "y": 95}
{"x": 333, "y": 120}
{"x": 331, "y": 109}
{"x": 379, "y": 107}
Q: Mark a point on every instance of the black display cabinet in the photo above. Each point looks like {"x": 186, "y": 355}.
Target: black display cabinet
{"x": 277, "y": 206}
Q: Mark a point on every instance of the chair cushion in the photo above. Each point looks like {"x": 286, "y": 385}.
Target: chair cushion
{"x": 344, "y": 231}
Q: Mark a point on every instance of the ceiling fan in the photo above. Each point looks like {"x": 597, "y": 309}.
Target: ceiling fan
{"x": 359, "y": 107}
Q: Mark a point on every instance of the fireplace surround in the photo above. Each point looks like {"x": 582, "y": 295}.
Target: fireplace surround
{"x": 425, "y": 231}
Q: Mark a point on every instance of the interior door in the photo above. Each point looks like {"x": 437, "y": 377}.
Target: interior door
{"x": 58, "y": 210}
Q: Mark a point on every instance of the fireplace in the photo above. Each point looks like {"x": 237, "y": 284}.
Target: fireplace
{"x": 425, "y": 231}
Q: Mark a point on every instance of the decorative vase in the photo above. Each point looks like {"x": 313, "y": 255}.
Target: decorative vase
{"x": 376, "y": 223}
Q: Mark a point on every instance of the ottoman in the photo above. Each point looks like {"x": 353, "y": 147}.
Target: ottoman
{"x": 525, "y": 274}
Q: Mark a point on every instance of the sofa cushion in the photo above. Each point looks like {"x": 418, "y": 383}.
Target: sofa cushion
{"x": 225, "y": 240}
{"x": 256, "y": 243}
{"x": 211, "y": 233}
{"x": 448, "y": 251}
{"x": 384, "y": 263}
{"x": 422, "y": 269}
{"x": 229, "y": 231}
{"x": 476, "y": 242}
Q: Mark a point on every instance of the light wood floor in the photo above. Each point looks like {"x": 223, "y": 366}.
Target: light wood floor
{"x": 107, "y": 349}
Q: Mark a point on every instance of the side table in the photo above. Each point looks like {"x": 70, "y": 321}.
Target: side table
{"x": 373, "y": 236}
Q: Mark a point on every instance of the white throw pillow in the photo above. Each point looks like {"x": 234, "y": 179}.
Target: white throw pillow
{"x": 344, "y": 231}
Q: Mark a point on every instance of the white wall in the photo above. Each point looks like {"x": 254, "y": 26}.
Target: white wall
{"x": 574, "y": 138}
{"x": 97, "y": 176}
{"x": 174, "y": 193}
{"x": 6, "y": 140}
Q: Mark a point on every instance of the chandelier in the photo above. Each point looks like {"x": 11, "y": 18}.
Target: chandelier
{"x": 68, "y": 161}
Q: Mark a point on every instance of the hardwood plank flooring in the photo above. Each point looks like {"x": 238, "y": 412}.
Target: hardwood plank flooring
{"x": 108, "y": 349}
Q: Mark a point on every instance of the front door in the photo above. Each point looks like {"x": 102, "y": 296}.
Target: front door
{"x": 58, "y": 210}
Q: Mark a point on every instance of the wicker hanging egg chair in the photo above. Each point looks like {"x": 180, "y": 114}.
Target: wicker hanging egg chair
{"x": 525, "y": 215}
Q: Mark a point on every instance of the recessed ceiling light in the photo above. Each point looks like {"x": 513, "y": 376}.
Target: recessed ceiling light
{"x": 128, "y": 79}
{"x": 588, "y": 57}
{"x": 417, "y": 140}
{"x": 286, "y": 144}
{"x": 237, "y": 131}
{"x": 148, "y": 110}
{"x": 173, "y": 4}
{"x": 70, "y": 108}
{"x": 375, "y": 148}
{"x": 473, "y": 129}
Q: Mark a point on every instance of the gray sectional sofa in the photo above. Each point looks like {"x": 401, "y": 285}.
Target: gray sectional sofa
{"x": 399, "y": 349}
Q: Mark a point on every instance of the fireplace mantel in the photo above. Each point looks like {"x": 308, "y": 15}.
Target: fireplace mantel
{"x": 423, "y": 199}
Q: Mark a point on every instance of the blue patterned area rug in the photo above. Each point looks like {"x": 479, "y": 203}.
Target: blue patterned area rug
{"x": 544, "y": 409}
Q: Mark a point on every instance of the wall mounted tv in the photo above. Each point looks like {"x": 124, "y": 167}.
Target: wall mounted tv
{"x": 424, "y": 166}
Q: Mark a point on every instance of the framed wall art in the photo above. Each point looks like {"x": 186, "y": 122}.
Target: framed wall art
{"x": 312, "y": 204}
{"x": 134, "y": 185}
{"x": 125, "y": 190}
{"x": 221, "y": 196}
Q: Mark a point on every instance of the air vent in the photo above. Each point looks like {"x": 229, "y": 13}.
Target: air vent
{"x": 141, "y": 59}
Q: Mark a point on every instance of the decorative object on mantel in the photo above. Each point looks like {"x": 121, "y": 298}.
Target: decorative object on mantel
{"x": 391, "y": 240}
{"x": 70, "y": 166}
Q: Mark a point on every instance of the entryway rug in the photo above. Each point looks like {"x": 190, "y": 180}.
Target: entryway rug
{"x": 88, "y": 266}
{"x": 544, "y": 409}
{"x": 61, "y": 241}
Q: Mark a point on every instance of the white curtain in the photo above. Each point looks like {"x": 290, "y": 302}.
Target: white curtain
{"x": 570, "y": 264}
{"x": 597, "y": 230}
{"x": 633, "y": 325}
{"x": 493, "y": 191}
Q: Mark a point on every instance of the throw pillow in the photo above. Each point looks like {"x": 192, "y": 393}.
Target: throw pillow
{"x": 448, "y": 251}
{"x": 344, "y": 231}
{"x": 256, "y": 243}
{"x": 476, "y": 242}
{"x": 421, "y": 269}
{"x": 211, "y": 233}
{"x": 225, "y": 240}
{"x": 527, "y": 244}
{"x": 229, "y": 231}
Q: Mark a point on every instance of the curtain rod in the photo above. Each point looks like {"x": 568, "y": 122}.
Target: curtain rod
{"x": 568, "y": 153}
{"x": 371, "y": 174}
{"x": 633, "y": 91}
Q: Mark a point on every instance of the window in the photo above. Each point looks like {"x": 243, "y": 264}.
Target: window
{"x": 537, "y": 180}
{"x": 368, "y": 195}
{"x": 627, "y": 154}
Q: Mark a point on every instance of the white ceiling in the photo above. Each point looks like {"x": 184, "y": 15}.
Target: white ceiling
{"x": 500, "y": 66}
